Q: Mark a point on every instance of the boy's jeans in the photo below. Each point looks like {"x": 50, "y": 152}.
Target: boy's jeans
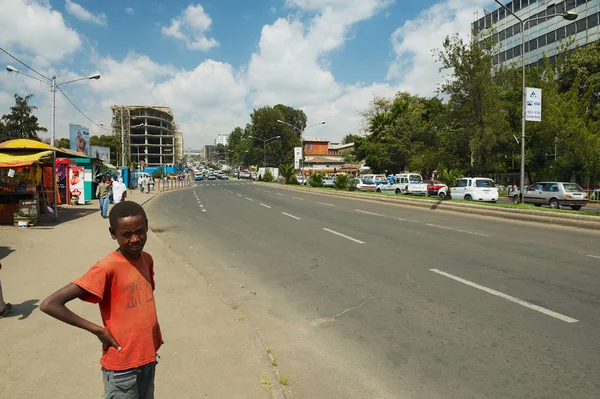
{"x": 104, "y": 206}
{"x": 137, "y": 383}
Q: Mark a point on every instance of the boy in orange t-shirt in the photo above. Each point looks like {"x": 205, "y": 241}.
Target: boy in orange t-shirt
{"x": 123, "y": 285}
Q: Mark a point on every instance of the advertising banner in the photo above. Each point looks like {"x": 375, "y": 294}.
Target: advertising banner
{"x": 79, "y": 137}
{"x": 102, "y": 153}
{"x": 533, "y": 104}
{"x": 297, "y": 153}
{"x": 76, "y": 184}
{"x": 296, "y": 163}
{"x": 61, "y": 177}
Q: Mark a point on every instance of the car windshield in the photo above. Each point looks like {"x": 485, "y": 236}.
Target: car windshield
{"x": 368, "y": 182}
{"x": 485, "y": 183}
{"x": 572, "y": 187}
{"x": 415, "y": 178}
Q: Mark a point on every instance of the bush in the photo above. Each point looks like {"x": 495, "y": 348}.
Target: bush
{"x": 287, "y": 171}
{"x": 316, "y": 180}
{"x": 341, "y": 182}
{"x": 449, "y": 177}
{"x": 268, "y": 177}
{"x": 293, "y": 180}
{"x": 352, "y": 182}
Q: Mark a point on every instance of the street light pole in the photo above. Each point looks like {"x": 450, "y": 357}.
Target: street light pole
{"x": 568, "y": 16}
{"x": 301, "y": 133}
{"x": 53, "y": 87}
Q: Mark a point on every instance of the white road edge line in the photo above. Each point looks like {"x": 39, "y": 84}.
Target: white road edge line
{"x": 249, "y": 199}
{"x": 292, "y": 216}
{"x": 521, "y": 302}
{"x": 266, "y": 206}
{"x": 343, "y": 235}
{"x": 325, "y": 203}
{"x": 369, "y": 213}
{"x": 594, "y": 256}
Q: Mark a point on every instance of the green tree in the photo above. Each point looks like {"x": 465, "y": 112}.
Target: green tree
{"x": 341, "y": 181}
{"x": 316, "y": 179}
{"x": 20, "y": 123}
{"x": 351, "y": 138}
{"x": 288, "y": 171}
{"x": 64, "y": 143}
{"x": 268, "y": 177}
{"x": 449, "y": 177}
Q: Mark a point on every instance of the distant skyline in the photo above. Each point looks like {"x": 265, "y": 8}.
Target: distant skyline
{"x": 213, "y": 67}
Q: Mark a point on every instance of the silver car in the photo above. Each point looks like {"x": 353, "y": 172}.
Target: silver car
{"x": 555, "y": 194}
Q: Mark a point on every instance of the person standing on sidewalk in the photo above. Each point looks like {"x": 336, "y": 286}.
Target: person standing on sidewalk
{"x": 141, "y": 183}
{"x": 119, "y": 190}
{"x": 5, "y": 308}
{"x": 102, "y": 192}
{"x": 123, "y": 285}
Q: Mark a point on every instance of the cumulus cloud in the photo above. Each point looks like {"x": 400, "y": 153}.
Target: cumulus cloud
{"x": 414, "y": 68}
{"x": 130, "y": 10}
{"x": 191, "y": 27}
{"x": 82, "y": 14}
{"x": 35, "y": 29}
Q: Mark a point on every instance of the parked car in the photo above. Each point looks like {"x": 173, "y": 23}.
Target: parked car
{"x": 555, "y": 194}
{"x": 365, "y": 185}
{"x": 436, "y": 188}
{"x": 411, "y": 183}
{"x": 475, "y": 189}
{"x": 328, "y": 182}
{"x": 211, "y": 176}
{"x": 388, "y": 187}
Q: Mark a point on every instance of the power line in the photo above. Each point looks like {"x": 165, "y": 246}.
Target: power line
{"x": 80, "y": 111}
{"x": 21, "y": 62}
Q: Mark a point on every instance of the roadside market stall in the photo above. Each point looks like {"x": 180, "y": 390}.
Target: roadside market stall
{"x": 28, "y": 183}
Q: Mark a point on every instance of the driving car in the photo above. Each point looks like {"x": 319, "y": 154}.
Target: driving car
{"x": 436, "y": 188}
{"x": 475, "y": 189}
{"x": 211, "y": 176}
{"x": 365, "y": 185}
{"x": 555, "y": 194}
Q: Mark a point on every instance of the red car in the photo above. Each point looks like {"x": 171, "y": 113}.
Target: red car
{"x": 436, "y": 188}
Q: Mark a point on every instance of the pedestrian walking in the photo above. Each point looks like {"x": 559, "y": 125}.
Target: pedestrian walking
{"x": 119, "y": 190}
{"x": 5, "y": 308}
{"x": 102, "y": 192}
{"x": 141, "y": 183}
{"x": 122, "y": 284}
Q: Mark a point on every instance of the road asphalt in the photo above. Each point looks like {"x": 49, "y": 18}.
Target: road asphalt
{"x": 368, "y": 300}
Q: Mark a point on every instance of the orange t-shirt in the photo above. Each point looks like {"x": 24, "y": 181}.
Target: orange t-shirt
{"x": 124, "y": 289}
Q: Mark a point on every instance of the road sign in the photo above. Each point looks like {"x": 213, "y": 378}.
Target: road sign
{"x": 533, "y": 104}
{"x": 297, "y": 153}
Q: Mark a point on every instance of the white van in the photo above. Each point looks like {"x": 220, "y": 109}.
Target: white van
{"x": 411, "y": 183}
{"x": 475, "y": 189}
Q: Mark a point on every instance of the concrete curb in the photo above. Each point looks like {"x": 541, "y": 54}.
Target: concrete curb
{"x": 559, "y": 219}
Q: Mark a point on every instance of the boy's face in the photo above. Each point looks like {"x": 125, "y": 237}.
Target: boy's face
{"x": 131, "y": 234}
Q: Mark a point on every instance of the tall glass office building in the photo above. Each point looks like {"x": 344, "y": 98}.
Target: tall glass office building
{"x": 543, "y": 36}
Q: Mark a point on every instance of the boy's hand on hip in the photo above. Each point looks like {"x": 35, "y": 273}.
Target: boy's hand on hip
{"x": 108, "y": 340}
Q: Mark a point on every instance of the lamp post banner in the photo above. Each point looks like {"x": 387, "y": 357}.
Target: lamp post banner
{"x": 296, "y": 164}
{"x": 79, "y": 138}
{"x": 297, "y": 153}
{"x": 533, "y": 104}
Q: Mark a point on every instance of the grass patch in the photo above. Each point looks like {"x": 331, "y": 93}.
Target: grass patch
{"x": 283, "y": 380}
{"x": 264, "y": 380}
{"x": 272, "y": 357}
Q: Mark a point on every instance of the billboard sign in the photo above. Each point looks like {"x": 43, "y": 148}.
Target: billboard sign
{"x": 297, "y": 153}
{"x": 99, "y": 152}
{"x": 79, "y": 137}
{"x": 533, "y": 104}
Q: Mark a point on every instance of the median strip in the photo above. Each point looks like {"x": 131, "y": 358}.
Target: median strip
{"x": 521, "y": 302}
{"x": 343, "y": 235}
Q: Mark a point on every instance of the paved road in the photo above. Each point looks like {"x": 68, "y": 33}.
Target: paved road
{"x": 373, "y": 300}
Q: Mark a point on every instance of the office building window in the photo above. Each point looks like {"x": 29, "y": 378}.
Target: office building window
{"x": 495, "y": 38}
{"x": 524, "y": 3}
{"x": 551, "y": 37}
{"x": 488, "y": 21}
{"x": 517, "y": 5}
{"x": 526, "y": 47}
{"x": 581, "y": 2}
{"x": 502, "y": 35}
{"x": 495, "y": 59}
{"x": 551, "y": 10}
{"x": 509, "y": 32}
{"x": 517, "y": 51}
{"x": 542, "y": 41}
{"x": 503, "y": 56}
{"x": 495, "y": 16}
{"x": 531, "y": 24}
{"x": 592, "y": 20}
{"x": 516, "y": 28}
{"x": 552, "y": 60}
{"x": 502, "y": 13}
{"x": 509, "y": 54}
{"x": 533, "y": 44}
{"x": 570, "y": 4}
{"x": 581, "y": 25}
{"x": 571, "y": 29}
{"x": 560, "y": 33}
{"x": 510, "y": 6}
{"x": 560, "y": 7}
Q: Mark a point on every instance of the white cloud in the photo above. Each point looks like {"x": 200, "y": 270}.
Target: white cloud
{"x": 82, "y": 14}
{"x": 191, "y": 27}
{"x": 414, "y": 68}
{"x": 130, "y": 10}
{"x": 29, "y": 28}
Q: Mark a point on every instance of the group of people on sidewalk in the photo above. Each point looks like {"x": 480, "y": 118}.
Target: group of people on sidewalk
{"x": 109, "y": 187}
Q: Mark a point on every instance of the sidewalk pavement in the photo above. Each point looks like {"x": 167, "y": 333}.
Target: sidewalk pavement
{"x": 209, "y": 351}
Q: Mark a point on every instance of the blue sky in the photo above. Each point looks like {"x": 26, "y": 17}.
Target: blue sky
{"x": 214, "y": 61}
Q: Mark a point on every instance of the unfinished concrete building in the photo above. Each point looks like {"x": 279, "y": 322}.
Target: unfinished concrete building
{"x": 148, "y": 134}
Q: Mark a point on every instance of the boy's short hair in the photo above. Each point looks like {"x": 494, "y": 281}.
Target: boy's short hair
{"x": 125, "y": 209}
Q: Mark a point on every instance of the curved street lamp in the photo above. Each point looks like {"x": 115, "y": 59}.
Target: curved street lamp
{"x": 301, "y": 133}
{"x": 53, "y": 85}
{"x": 265, "y": 147}
{"x": 569, "y": 16}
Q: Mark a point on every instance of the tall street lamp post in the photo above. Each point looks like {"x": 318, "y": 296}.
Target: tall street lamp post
{"x": 53, "y": 86}
{"x": 265, "y": 147}
{"x": 566, "y": 15}
{"x": 301, "y": 133}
